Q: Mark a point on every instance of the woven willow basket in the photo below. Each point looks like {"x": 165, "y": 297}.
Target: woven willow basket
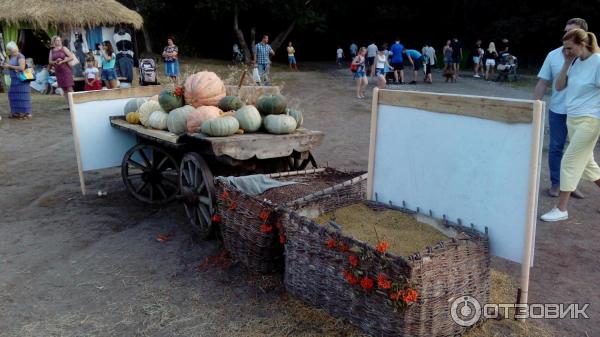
{"x": 314, "y": 272}
{"x": 251, "y": 225}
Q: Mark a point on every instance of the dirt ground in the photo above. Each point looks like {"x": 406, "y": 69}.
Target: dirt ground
{"x": 90, "y": 266}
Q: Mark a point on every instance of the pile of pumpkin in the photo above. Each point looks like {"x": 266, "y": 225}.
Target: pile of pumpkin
{"x": 202, "y": 106}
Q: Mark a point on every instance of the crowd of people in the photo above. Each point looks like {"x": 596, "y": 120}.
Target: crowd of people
{"x": 97, "y": 68}
{"x": 388, "y": 63}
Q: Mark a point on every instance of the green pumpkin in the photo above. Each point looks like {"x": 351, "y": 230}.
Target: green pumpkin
{"x": 133, "y": 105}
{"x": 230, "y": 103}
{"x": 297, "y": 116}
{"x": 269, "y": 104}
{"x": 177, "y": 120}
{"x": 249, "y": 118}
{"x": 280, "y": 124}
{"x": 169, "y": 101}
{"x": 221, "y": 126}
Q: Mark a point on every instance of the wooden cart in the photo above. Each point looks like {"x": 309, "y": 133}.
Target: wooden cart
{"x": 162, "y": 166}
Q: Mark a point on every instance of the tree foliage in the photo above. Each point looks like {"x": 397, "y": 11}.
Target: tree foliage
{"x": 205, "y": 27}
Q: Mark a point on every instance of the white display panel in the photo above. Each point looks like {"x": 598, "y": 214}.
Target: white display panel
{"x": 463, "y": 167}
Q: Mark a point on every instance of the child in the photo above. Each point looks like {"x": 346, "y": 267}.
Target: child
{"x": 91, "y": 75}
{"x": 340, "y": 56}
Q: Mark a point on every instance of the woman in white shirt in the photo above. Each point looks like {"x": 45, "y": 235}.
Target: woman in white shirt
{"x": 580, "y": 77}
{"x": 380, "y": 64}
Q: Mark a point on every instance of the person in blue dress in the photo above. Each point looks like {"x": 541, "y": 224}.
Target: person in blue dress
{"x": 19, "y": 94}
{"x": 171, "y": 57}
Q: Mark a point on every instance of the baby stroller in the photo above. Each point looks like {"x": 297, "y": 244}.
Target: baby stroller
{"x": 148, "y": 72}
{"x": 507, "y": 68}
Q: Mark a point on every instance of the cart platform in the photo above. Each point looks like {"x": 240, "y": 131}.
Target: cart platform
{"x": 239, "y": 147}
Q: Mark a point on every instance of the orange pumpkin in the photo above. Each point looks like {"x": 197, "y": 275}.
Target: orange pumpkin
{"x": 204, "y": 88}
{"x": 200, "y": 115}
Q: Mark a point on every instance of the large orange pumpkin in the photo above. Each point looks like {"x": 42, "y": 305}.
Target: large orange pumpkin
{"x": 200, "y": 115}
{"x": 204, "y": 88}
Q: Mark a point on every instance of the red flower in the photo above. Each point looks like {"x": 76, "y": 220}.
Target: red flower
{"x": 383, "y": 283}
{"x": 264, "y": 215}
{"x": 343, "y": 247}
{"x": 232, "y": 205}
{"x": 266, "y": 228}
{"x": 178, "y": 91}
{"x": 410, "y": 295}
{"x": 282, "y": 239}
{"x": 395, "y": 295}
{"x": 224, "y": 196}
{"x": 350, "y": 278}
{"x": 366, "y": 283}
{"x": 353, "y": 260}
{"x": 331, "y": 244}
{"x": 216, "y": 218}
{"x": 382, "y": 246}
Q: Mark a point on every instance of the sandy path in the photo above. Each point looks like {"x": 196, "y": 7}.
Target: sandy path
{"x": 89, "y": 266}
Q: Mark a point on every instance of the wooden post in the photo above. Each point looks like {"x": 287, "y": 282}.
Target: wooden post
{"x": 538, "y": 114}
{"x": 372, "y": 143}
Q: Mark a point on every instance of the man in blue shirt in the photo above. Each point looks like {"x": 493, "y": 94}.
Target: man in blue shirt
{"x": 397, "y": 61}
{"x": 557, "y": 114}
{"x": 416, "y": 60}
{"x": 262, "y": 54}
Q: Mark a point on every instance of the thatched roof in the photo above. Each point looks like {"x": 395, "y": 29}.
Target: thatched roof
{"x": 67, "y": 13}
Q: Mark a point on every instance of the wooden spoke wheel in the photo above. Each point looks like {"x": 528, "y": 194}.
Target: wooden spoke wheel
{"x": 298, "y": 161}
{"x": 150, "y": 174}
{"x": 198, "y": 193}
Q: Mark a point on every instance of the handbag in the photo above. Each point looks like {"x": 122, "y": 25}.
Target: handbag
{"x": 74, "y": 62}
{"x": 26, "y": 75}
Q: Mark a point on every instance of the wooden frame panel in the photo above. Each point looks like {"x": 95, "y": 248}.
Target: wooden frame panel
{"x": 510, "y": 111}
{"x": 497, "y": 109}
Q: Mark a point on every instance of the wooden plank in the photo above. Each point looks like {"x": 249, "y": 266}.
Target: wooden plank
{"x": 372, "y": 144}
{"x": 99, "y": 95}
{"x": 77, "y": 144}
{"x": 259, "y": 145}
{"x": 141, "y": 130}
{"x": 511, "y": 111}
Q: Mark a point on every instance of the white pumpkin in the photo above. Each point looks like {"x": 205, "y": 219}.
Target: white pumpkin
{"x": 146, "y": 110}
{"x": 158, "y": 120}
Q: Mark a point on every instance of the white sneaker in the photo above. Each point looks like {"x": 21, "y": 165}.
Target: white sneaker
{"x": 476, "y": 76}
{"x": 555, "y": 215}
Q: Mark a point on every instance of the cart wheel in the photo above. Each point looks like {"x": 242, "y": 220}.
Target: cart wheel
{"x": 150, "y": 174}
{"x": 295, "y": 163}
{"x": 198, "y": 193}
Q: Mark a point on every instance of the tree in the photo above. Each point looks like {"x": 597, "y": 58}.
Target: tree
{"x": 294, "y": 12}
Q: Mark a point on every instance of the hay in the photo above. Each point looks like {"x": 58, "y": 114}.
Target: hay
{"x": 504, "y": 291}
{"x": 63, "y": 13}
{"x": 402, "y": 231}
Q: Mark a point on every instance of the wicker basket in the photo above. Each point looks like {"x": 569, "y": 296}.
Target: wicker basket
{"x": 251, "y": 225}
{"x": 315, "y": 273}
